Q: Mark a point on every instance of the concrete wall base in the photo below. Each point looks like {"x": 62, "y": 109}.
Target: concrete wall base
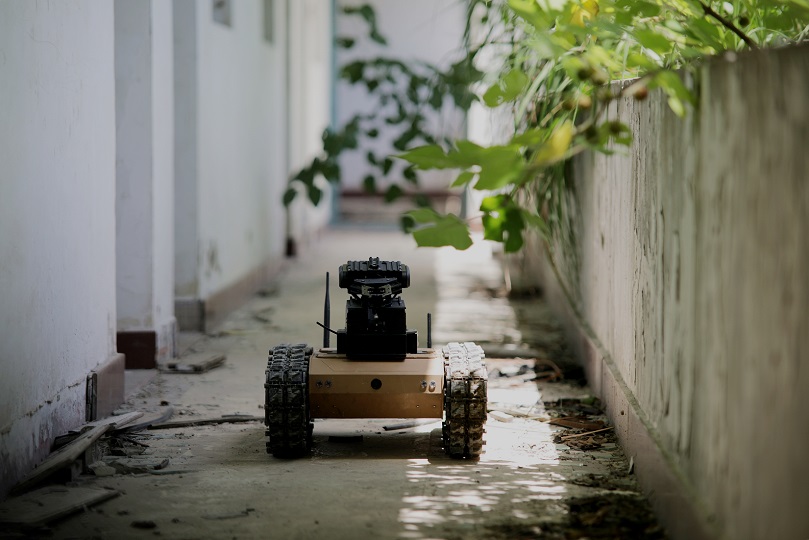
{"x": 218, "y": 305}
{"x": 674, "y": 500}
{"x": 145, "y": 349}
{"x": 107, "y": 383}
{"x": 140, "y": 349}
{"x": 201, "y": 315}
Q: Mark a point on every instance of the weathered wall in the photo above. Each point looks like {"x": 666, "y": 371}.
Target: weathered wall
{"x": 693, "y": 278}
{"x": 57, "y": 219}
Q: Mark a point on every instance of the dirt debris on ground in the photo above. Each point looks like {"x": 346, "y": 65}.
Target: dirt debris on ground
{"x": 537, "y": 478}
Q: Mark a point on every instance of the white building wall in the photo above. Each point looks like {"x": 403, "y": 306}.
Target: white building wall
{"x": 239, "y": 109}
{"x": 417, "y": 31}
{"x": 57, "y": 219}
{"x": 235, "y": 121}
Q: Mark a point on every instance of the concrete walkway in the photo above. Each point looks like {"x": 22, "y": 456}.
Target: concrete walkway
{"x": 220, "y": 482}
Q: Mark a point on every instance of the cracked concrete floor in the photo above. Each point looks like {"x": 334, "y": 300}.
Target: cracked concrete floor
{"x": 220, "y": 482}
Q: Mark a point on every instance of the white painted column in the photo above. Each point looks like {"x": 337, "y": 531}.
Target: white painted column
{"x": 144, "y": 181}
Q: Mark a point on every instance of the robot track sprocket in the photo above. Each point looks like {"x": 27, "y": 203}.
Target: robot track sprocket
{"x": 465, "y": 389}
{"x": 286, "y": 405}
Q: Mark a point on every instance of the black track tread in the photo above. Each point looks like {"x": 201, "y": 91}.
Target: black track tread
{"x": 465, "y": 399}
{"x": 286, "y": 401}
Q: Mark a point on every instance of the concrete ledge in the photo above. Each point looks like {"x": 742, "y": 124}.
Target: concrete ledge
{"x": 675, "y": 503}
{"x": 201, "y": 315}
{"x": 109, "y": 386}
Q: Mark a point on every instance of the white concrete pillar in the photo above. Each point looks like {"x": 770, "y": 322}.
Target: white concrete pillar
{"x": 144, "y": 181}
{"x": 310, "y": 92}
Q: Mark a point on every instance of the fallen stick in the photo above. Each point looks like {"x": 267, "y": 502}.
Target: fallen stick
{"x": 520, "y": 414}
{"x": 61, "y": 458}
{"x": 207, "y": 421}
{"x": 576, "y": 424}
{"x": 409, "y": 424}
{"x": 557, "y": 371}
{"x": 115, "y": 422}
{"x": 566, "y": 437}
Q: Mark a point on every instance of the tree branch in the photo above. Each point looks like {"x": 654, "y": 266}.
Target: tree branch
{"x": 709, "y": 11}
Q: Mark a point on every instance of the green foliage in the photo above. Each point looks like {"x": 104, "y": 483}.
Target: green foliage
{"x": 403, "y": 92}
{"x": 559, "y": 61}
{"x": 433, "y": 229}
{"x": 558, "y": 67}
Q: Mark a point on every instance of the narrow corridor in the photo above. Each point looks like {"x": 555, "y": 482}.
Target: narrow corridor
{"x": 535, "y": 480}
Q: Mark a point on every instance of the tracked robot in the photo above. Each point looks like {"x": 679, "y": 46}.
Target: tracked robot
{"x": 377, "y": 370}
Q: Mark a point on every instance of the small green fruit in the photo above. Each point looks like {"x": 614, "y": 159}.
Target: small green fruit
{"x": 600, "y": 77}
{"x": 641, "y": 93}
{"x": 585, "y": 73}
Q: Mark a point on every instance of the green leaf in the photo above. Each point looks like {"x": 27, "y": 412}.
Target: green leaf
{"x": 466, "y": 154}
{"x": 424, "y": 215}
{"x": 353, "y": 71}
{"x": 407, "y": 136}
{"x": 315, "y": 194}
{"x": 678, "y": 94}
{"x": 503, "y": 221}
{"x": 499, "y": 166}
{"x": 407, "y": 223}
{"x": 536, "y": 222}
{"x": 493, "y": 203}
{"x": 393, "y": 193}
{"x": 330, "y": 170}
{"x": 530, "y": 137}
{"x": 428, "y": 157}
{"x": 463, "y": 179}
{"x": 493, "y": 227}
{"x": 507, "y": 89}
{"x": 345, "y": 42}
{"x": 677, "y": 105}
{"x": 369, "y": 184}
{"x": 652, "y": 40}
{"x": 422, "y": 201}
{"x": 409, "y": 174}
{"x": 379, "y": 38}
{"x": 289, "y": 196}
{"x": 447, "y": 230}
{"x": 530, "y": 11}
{"x": 636, "y": 59}
{"x": 513, "y": 228}
{"x": 706, "y": 33}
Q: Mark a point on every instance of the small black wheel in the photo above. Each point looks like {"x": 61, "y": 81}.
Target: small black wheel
{"x": 286, "y": 401}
